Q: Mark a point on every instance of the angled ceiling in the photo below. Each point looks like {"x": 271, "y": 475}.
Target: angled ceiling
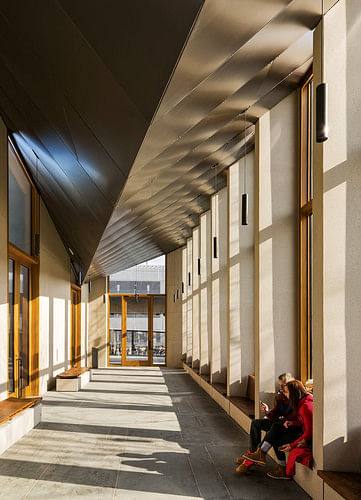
{"x": 121, "y": 108}
{"x": 241, "y": 55}
{"x": 79, "y": 84}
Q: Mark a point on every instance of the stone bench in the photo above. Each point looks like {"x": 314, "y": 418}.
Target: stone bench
{"x": 72, "y": 380}
{"x": 17, "y": 418}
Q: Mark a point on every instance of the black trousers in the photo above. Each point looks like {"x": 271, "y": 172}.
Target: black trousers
{"x": 279, "y": 435}
{"x": 257, "y": 426}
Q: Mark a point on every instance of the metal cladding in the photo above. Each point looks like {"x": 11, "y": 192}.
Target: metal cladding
{"x": 120, "y": 109}
{"x": 79, "y": 85}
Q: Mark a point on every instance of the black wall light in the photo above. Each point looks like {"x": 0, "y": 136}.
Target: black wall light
{"x": 245, "y": 194}
{"x": 189, "y": 279}
{"x": 322, "y": 92}
{"x": 215, "y": 255}
{"x": 199, "y": 267}
{"x": 182, "y": 286}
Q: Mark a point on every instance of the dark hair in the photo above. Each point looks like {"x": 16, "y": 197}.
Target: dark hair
{"x": 297, "y": 391}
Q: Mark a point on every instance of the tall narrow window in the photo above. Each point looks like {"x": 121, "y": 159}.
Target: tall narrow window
{"x": 20, "y": 193}
{"x": 306, "y": 228}
{"x": 23, "y": 279}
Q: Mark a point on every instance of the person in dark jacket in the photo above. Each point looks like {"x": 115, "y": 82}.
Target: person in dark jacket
{"x": 280, "y": 410}
{"x": 289, "y": 434}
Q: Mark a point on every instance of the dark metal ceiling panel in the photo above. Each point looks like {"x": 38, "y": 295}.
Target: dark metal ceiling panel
{"x": 73, "y": 90}
{"x": 241, "y": 55}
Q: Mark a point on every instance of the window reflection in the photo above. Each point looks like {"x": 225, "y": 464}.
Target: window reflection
{"x": 19, "y": 204}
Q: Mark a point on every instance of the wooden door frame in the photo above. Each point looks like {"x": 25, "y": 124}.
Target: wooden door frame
{"x": 77, "y": 337}
{"x": 123, "y": 297}
{"x": 32, "y": 263}
{"x": 149, "y": 361}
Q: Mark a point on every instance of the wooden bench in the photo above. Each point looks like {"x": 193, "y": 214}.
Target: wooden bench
{"x": 346, "y": 484}
{"x": 72, "y": 380}
{"x": 17, "y": 418}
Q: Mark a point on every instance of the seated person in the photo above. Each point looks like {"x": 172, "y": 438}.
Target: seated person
{"x": 281, "y": 410}
{"x": 288, "y": 435}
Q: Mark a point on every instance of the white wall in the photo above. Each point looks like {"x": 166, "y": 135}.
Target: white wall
{"x": 195, "y": 298}
{"x": 219, "y": 288}
{"x": 84, "y": 323}
{"x": 174, "y": 309}
{"x": 188, "y": 288}
{"x": 276, "y": 245}
{"x": 206, "y": 293}
{"x": 54, "y": 303}
{"x": 240, "y": 278}
{"x": 337, "y": 247}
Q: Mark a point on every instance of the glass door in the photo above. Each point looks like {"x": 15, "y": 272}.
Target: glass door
{"x": 19, "y": 327}
{"x": 75, "y": 348}
{"x": 158, "y": 312}
{"x": 137, "y": 341}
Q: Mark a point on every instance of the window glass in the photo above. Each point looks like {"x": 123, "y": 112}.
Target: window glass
{"x": 159, "y": 330}
{"x": 115, "y": 330}
{"x": 11, "y": 364}
{"x": 146, "y": 278}
{"x": 19, "y": 204}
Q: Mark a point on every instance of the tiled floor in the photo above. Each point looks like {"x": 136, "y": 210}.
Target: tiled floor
{"x": 134, "y": 433}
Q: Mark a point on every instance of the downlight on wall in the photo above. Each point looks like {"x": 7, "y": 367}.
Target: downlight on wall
{"x": 215, "y": 245}
{"x": 322, "y": 91}
{"x": 244, "y": 216}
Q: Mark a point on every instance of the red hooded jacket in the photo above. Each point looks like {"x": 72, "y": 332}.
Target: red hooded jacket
{"x": 304, "y": 416}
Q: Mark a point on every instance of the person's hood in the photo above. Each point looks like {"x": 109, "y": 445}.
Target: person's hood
{"x": 307, "y": 400}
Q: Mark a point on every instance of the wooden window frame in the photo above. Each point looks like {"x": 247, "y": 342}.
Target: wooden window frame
{"x": 33, "y": 262}
{"x": 305, "y": 211}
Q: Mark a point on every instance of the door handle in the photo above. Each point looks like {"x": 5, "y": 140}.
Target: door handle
{"x": 149, "y": 345}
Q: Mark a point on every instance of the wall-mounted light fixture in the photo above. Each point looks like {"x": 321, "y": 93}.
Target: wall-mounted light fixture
{"x": 245, "y": 194}
{"x": 189, "y": 279}
{"x": 215, "y": 254}
{"x": 182, "y": 286}
{"x": 89, "y": 286}
{"x": 199, "y": 267}
{"x": 322, "y": 91}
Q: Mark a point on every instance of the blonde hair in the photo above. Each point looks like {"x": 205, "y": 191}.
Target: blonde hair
{"x": 286, "y": 377}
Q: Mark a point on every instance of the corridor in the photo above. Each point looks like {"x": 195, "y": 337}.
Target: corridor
{"x": 134, "y": 433}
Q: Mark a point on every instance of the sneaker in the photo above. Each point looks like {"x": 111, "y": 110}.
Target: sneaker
{"x": 240, "y": 460}
{"x": 280, "y": 473}
{"x": 243, "y": 468}
{"x": 257, "y": 457}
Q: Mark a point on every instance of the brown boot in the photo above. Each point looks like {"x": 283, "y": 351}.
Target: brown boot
{"x": 243, "y": 468}
{"x": 258, "y": 457}
{"x": 280, "y": 473}
{"x": 240, "y": 460}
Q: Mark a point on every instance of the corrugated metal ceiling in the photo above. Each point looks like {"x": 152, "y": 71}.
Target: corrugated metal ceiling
{"x": 120, "y": 109}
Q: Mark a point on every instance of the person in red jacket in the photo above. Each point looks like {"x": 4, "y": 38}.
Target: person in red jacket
{"x": 280, "y": 411}
{"x": 288, "y": 435}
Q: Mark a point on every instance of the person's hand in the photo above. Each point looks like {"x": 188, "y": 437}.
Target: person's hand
{"x": 301, "y": 443}
{"x": 264, "y": 407}
{"x": 287, "y": 424}
{"x": 285, "y": 447}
